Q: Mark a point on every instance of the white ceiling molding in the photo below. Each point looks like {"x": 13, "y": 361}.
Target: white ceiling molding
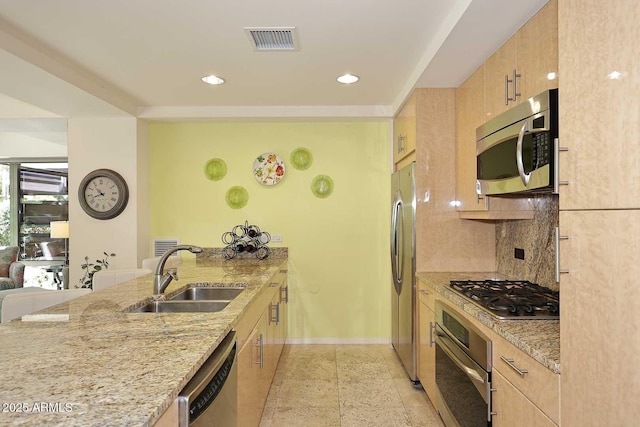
{"x": 266, "y": 112}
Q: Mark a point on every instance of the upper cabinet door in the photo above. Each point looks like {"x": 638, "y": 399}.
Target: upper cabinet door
{"x": 498, "y": 68}
{"x": 404, "y": 133}
{"x": 537, "y": 52}
{"x": 599, "y": 105}
{"x": 469, "y": 115}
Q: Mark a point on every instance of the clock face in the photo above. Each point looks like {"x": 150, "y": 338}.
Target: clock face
{"x": 103, "y": 194}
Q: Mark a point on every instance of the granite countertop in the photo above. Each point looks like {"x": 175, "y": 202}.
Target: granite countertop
{"x": 539, "y": 339}
{"x": 100, "y": 364}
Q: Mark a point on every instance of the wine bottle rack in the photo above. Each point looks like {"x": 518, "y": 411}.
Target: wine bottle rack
{"x": 246, "y": 238}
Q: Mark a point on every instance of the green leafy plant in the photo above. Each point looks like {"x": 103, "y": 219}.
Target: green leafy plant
{"x": 90, "y": 269}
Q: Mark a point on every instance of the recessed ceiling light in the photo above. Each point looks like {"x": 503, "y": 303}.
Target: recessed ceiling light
{"x": 213, "y": 80}
{"x": 348, "y": 79}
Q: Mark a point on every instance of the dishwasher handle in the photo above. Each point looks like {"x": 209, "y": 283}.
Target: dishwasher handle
{"x": 202, "y": 389}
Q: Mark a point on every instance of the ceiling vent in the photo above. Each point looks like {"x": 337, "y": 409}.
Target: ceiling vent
{"x": 273, "y": 38}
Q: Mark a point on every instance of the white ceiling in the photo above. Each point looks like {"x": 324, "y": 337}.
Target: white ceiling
{"x": 146, "y": 58}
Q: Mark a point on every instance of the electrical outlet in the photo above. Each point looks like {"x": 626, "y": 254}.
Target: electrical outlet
{"x": 276, "y": 238}
{"x": 519, "y": 253}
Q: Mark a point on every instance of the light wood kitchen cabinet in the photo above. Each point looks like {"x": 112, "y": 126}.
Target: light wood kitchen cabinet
{"x": 599, "y": 106}
{"x": 523, "y": 63}
{"x": 499, "y": 67}
{"x": 469, "y": 115}
{"x": 533, "y": 381}
{"x": 537, "y": 52}
{"x": 261, "y": 337}
{"x": 512, "y": 408}
{"x": 600, "y": 317}
{"x": 253, "y": 378}
{"x": 404, "y": 134}
{"x": 426, "y": 347}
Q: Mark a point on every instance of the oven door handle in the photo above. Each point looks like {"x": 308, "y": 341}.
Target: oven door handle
{"x": 471, "y": 373}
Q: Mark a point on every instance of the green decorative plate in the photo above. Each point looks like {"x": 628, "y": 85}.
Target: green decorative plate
{"x": 322, "y": 186}
{"x": 301, "y": 158}
{"x": 215, "y": 169}
{"x": 237, "y": 197}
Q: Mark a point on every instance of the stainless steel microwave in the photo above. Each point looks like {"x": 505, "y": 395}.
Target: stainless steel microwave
{"x": 517, "y": 151}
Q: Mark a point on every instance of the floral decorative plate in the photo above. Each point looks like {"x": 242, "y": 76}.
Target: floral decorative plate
{"x": 268, "y": 169}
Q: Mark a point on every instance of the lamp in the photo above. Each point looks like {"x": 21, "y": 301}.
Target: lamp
{"x": 60, "y": 230}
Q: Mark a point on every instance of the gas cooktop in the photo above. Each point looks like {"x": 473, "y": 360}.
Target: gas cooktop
{"x": 511, "y": 299}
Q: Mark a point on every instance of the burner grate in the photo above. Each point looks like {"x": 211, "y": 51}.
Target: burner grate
{"x": 511, "y": 299}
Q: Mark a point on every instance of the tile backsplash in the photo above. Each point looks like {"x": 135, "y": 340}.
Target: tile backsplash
{"x": 536, "y": 237}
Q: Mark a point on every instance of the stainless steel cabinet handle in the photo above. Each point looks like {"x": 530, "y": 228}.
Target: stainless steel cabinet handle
{"x": 516, "y": 94}
{"x": 558, "y": 270}
{"x": 507, "y": 98}
{"x": 274, "y": 313}
{"x": 284, "y": 290}
{"x": 259, "y": 344}
{"x": 558, "y": 149}
{"x": 506, "y": 89}
{"x": 432, "y": 328}
{"x": 510, "y": 362}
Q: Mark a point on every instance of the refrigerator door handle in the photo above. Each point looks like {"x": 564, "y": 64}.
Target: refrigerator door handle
{"x": 397, "y": 233}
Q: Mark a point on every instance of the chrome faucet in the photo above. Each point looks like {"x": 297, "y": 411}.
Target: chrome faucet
{"x": 161, "y": 280}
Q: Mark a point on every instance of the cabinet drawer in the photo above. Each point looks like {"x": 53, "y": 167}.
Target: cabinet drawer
{"x": 427, "y": 296}
{"x": 538, "y": 384}
{"x": 512, "y": 408}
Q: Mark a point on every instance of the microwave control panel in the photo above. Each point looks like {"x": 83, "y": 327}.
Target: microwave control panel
{"x": 541, "y": 149}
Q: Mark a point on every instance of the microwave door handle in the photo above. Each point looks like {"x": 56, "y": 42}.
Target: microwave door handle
{"x": 523, "y": 176}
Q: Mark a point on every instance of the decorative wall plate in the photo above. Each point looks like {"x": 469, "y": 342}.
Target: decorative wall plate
{"x": 268, "y": 169}
{"x": 301, "y": 158}
{"x": 322, "y": 186}
{"x": 237, "y": 197}
{"x": 215, "y": 169}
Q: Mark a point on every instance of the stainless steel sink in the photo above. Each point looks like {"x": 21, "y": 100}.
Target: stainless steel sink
{"x": 212, "y": 294}
{"x": 182, "y": 307}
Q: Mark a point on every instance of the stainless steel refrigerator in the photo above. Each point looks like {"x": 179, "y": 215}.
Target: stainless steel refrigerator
{"x": 403, "y": 254}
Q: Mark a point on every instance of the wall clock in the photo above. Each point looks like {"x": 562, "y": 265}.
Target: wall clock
{"x": 103, "y": 194}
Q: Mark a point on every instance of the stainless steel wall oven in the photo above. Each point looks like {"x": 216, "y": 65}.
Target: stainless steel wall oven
{"x": 463, "y": 371}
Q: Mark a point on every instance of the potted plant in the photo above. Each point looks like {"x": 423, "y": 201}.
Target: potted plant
{"x": 90, "y": 269}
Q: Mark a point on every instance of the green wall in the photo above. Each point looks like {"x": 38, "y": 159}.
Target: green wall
{"x": 338, "y": 246}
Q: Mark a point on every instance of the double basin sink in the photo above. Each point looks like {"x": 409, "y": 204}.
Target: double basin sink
{"x": 194, "y": 300}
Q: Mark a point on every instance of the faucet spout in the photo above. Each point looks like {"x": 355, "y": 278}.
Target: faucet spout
{"x": 160, "y": 279}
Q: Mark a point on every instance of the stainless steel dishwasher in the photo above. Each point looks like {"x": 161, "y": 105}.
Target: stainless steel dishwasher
{"x": 210, "y": 398}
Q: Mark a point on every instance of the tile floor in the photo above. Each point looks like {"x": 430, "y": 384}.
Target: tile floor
{"x": 344, "y": 385}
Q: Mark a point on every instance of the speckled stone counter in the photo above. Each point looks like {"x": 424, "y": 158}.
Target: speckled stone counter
{"x": 95, "y": 363}
{"x": 539, "y": 339}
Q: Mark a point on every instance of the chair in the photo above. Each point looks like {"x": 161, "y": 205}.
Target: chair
{"x": 11, "y": 271}
{"x": 18, "y": 304}
{"x": 152, "y": 263}
{"x": 104, "y": 278}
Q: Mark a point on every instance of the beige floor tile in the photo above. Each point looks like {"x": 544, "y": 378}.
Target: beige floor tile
{"x": 308, "y": 393}
{"x": 369, "y": 393}
{"x": 327, "y": 351}
{"x": 423, "y": 416}
{"x": 308, "y": 368}
{"x": 355, "y": 371}
{"x": 358, "y": 354}
{"x": 328, "y": 416}
{"x": 373, "y": 416}
{"x": 410, "y": 395}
